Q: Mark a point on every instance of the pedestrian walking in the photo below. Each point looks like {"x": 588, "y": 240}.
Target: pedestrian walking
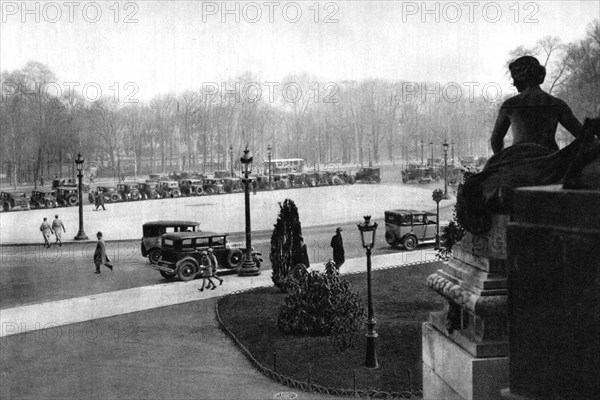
{"x": 59, "y": 228}
{"x": 46, "y": 230}
{"x": 100, "y": 256}
{"x": 99, "y": 200}
{"x": 206, "y": 273}
{"x": 214, "y": 264}
{"x": 338, "y": 248}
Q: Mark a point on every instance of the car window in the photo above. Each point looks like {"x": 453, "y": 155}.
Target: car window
{"x": 218, "y": 242}
{"x": 167, "y": 243}
{"x": 202, "y": 242}
{"x": 186, "y": 243}
{"x": 170, "y": 229}
{"x": 417, "y": 219}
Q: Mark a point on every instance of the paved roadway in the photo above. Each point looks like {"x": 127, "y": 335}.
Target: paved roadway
{"x": 33, "y": 274}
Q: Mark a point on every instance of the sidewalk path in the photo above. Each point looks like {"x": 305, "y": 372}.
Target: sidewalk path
{"x": 63, "y": 312}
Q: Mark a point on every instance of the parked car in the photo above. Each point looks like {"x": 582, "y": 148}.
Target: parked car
{"x": 232, "y": 185}
{"x": 69, "y": 182}
{"x": 43, "y": 198}
{"x": 14, "y": 201}
{"x": 182, "y": 254}
{"x": 409, "y": 228}
{"x": 67, "y": 196}
{"x": 152, "y": 231}
{"x": 149, "y": 190}
{"x": 191, "y": 187}
{"x": 168, "y": 189}
{"x": 109, "y": 192}
{"x": 212, "y": 186}
{"x": 368, "y": 175}
{"x": 129, "y": 191}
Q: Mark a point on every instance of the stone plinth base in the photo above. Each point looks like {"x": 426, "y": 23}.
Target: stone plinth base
{"x": 451, "y": 373}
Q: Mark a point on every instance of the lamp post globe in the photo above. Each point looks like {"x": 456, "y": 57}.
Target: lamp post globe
{"x": 79, "y": 163}
{"x": 248, "y": 267}
{"x": 367, "y": 235}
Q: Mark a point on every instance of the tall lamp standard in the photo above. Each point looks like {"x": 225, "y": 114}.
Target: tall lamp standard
{"x": 231, "y": 157}
{"x": 437, "y": 196}
{"x": 431, "y": 146}
{"x": 269, "y": 148}
{"x": 248, "y": 268}
{"x": 445, "y": 147}
{"x": 422, "y": 150}
{"x": 80, "y": 234}
{"x": 452, "y": 154}
{"x": 367, "y": 235}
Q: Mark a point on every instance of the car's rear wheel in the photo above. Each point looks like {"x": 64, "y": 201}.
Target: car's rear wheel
{"x": 187, "y": 270}
{"x": 72, "y": 201}
{"x": 235, "y": 258}
{"x": 153, "y": 195}
{"x": 210, "y": 190}
{"x": 168, "y": 275}
{"x": 410, "y": 242}
{"x": 115, "y": 197}
{"x": 175, "y": 193}
{"x": 391, "y": 239}
{"x": 154, "y": 255}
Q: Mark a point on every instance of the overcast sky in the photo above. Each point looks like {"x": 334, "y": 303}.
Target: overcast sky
{"x": 172, "y": 46}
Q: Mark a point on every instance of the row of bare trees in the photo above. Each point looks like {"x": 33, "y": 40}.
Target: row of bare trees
{"x": 346, "y": 122}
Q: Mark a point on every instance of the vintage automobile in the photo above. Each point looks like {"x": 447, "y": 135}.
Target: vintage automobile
{"x": 152, "y": 231}
{"x": 191, "y": 187}
{"x": 409, "y": 228}
{"x": 320, "y": 178}
{"x": 129, "y": 191}
{"x": 212, "y": 186}
{"x": 232, "y": 185}
{"x": 67, "y": 196}
{"x": 43, "y": 198}
{"x": 14, "y": 201}
{"x": 368, "y": 175}
{"x": 182, "y": 254}
{"x": 109, "y": 193}
{"x": 297, "y": 179}
{"x": 149, "y": 190}
{"x": 168, "y": 189}
{"x": 281, "y": 181}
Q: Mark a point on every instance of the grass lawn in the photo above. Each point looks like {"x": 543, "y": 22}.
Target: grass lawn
{"x": 401, "y": 301}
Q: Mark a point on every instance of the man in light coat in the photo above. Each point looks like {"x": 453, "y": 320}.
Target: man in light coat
{"x": 59, "y": 228}
{"x": 46, "y": 229}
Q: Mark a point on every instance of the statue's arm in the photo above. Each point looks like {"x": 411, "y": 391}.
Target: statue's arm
{"x": 500, "y": 129}
{"x": 570, "y": 122}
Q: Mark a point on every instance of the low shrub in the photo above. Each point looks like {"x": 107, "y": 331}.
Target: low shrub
{"x": 319, "y": 304}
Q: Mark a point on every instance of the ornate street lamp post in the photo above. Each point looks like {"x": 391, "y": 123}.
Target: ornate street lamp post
{"x": 248, "y": 268}
{"x": 431, "y": 146}
{"x": 269, "y": 148}
{"x": 445, "y": 146}
{"x": 452, "y": 154}
{"x": 367, "y": 235}
{"x": 80, "y": 234}
{"x": 437, "y": 196}
{"x": 231, "y": 157}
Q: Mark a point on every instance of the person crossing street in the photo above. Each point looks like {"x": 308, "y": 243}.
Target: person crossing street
{"x": 57, "y": 225}
{"x": 46, "y": 229}
{"x": 100, "y": 256}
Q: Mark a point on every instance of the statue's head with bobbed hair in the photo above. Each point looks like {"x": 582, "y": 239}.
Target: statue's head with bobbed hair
{"x": 527, "y": 71}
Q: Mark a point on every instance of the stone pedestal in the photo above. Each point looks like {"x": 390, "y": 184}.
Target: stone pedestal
{"x": 554, "y": 296}
{"x": 474, "y": 320}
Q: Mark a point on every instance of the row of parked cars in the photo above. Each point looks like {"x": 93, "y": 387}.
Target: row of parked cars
{"x": 65, "y": 192}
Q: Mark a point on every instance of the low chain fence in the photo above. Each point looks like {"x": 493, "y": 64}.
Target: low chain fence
{"x": 308, "y": 385}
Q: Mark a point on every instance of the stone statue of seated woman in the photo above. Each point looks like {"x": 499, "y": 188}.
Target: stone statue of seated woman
{"x": 534, "y": 158}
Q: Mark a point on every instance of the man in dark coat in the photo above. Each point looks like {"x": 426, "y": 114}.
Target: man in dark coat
{"x": 100, "y": 256}
{"x": 338, "y": 248}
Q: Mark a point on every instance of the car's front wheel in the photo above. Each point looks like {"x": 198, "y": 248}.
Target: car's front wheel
{"x": 235, "y": 258}
{"x": 154, "y": 255}
{"x": 410, "y": 242}
{"x": 187, "y": 270}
